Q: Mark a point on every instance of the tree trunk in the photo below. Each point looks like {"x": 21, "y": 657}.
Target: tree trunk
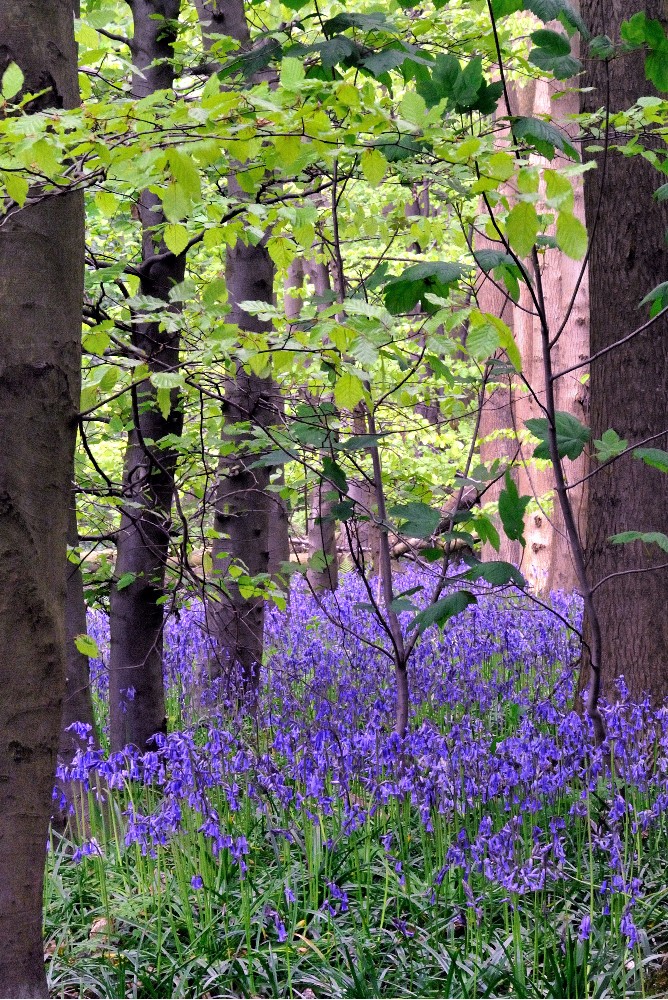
{"x": 323, "y": 574}
{"x": 253, "y": 518}
{"x": 244, "y": 508}
{"x": 41, "y": 285}
{"x": 629, "y": 385}
{"x": 546, "y": 560}
{"x": 136, "y": 695}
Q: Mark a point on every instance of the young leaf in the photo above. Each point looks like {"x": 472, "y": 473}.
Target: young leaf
{"x": 87, "y": 645}
{"x": 571, "y": 236}
{"x": 12, "y": 81}
{"x": 511, "y": 510}
{"x": 609, "y": 445}
{"x": 374, "y": 166}
{"x": 348, "y": 391}
{"x": 522, "y": 227}
{"x": 176, "y": 237}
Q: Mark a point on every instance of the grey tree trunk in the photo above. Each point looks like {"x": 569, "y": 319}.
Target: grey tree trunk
{"x": 629, "y": 385}
{"x": 41, "y": 287}
{"x": 244, "y": 509}
{"x": 253, "y": 518}
{"x": 137, "y": 703}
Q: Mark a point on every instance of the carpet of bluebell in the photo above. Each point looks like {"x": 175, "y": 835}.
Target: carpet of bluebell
{"x": 304, "y": 849}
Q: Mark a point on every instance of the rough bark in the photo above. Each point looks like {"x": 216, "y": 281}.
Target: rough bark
{"x": 629, "y": 385}
{"x": 136, "y": 694}
{"x": 41, "y": 284}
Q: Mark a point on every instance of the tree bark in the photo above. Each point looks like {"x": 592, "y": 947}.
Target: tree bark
{"x": 547, "y": 561}
{"x": 244, "y": 508}
{"x": 321, "y": 532}
{"x": 41, "y": 286}
{"x": 136, "y": 695}
{"x": 629, "y": 385}
{"x": 253, "y": 519}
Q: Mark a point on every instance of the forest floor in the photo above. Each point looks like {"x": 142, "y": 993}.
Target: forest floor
{"x": 307, "y": 851}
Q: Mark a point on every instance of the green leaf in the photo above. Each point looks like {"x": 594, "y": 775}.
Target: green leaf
{"x": 657, "y": 298}
{"x": 552, "y": 52}
{"x": 175, "y": 204}
{"x": 496, "y": 572}
{"x": 164, "y": 400}
{"x": 552, "y": 42}
{"x": 440, "y": 612}
{"x": 17, "y": 187}
{"x": 482, "y": 340}
{"x": 609, "y": 445}
{"x": 12, "y": 81}
{"x": 655, "y": 457}
{"x": 185, "y": 173}
{"x": 522, "y": 225}
{"x": 396, "y": 147}
{"x": 374, "y": 166}
{"x": 661, "y": 193}
{"x": 601, "y": 47}
{"x": 292, "y": 73}
{"x": 348, "y": 391}
{"x": 506, "y": 341}
{"x": 542, "y": 136}
{"x": 419, "y": 520}
{"x": 511, "y": 510}
{"x": 335, "y": 474}
{"x": 572, "y": 436}
{"x": 571, "y": 236}
{"x": 125, "y": 580}
{"x": 404, "y": 292}
{"x": 87, "y": 646}
{"x": 377, "y": 21}
{"x": 176, "y": 237}
{"x": 647, "y": 537}
{"x": 486, "y": 531}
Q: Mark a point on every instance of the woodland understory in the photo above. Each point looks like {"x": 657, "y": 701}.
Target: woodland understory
{"x": 333, "y": 507}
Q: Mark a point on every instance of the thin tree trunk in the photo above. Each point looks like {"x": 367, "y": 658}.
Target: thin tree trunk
{"x": 323, "y": 574}
{"x": 41, "y": 285}
{"x": 629, "y": 385}
{"x": 136, "y": 694}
